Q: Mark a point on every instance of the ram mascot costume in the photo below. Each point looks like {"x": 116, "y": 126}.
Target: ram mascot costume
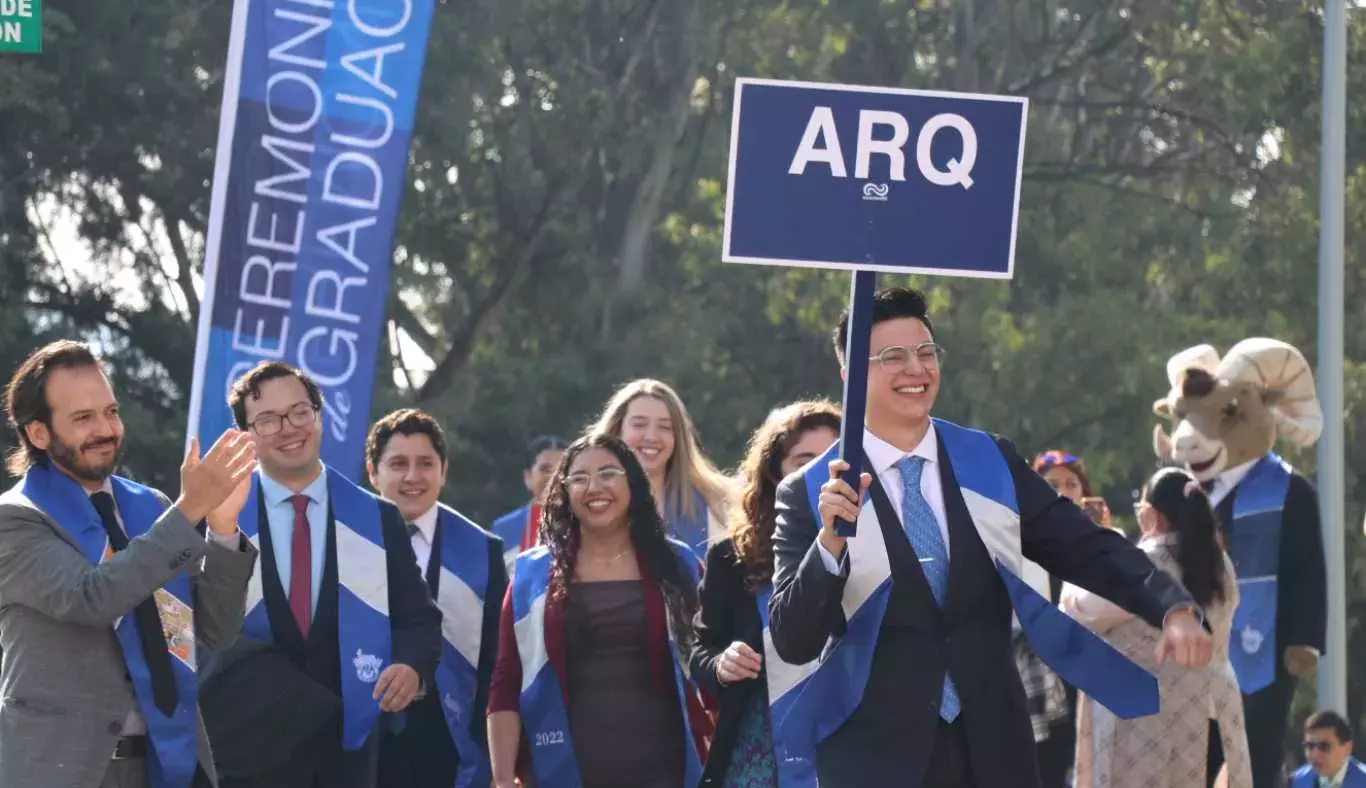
{"x": 1226, "y": 415}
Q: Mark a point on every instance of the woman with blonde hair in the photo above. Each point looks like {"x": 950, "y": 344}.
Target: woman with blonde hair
{"x": 692, "y": 495}
{"x": 727, "y": 659}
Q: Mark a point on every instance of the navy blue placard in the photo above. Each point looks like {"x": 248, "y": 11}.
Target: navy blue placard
{"x": 810, "y": 184}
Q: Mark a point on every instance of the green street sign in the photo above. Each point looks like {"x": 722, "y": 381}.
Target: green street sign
{"x": 21, "y": 26}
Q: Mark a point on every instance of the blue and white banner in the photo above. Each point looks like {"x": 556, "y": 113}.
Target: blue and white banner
{"x": 318, "y": 105}
{"x": 881, "y": 179}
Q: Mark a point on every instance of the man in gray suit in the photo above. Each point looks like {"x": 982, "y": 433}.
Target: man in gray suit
{"x": 106, "y": 587}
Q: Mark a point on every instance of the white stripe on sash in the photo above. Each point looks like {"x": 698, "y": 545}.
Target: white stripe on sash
{"x": 869, "y": 566}
{"x": 530, "y": 632}
{"x": 361, "y": 568}
{"x": 999, "y": 528}
{"x": 783, "y": 677}
{"x": 255, "y": 592}
{"x": 462, "y": 615}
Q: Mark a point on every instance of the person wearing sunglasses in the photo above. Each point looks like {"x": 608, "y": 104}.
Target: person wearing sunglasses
{"x": 1328, "y": 743}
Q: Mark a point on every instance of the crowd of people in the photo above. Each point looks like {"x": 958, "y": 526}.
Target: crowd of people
{"x": 643, "y": 621}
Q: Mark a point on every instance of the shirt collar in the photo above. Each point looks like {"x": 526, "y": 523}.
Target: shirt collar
{"x": 884, "y": 455}
{"x": 426, "y": 524}
{"x": 1230, "y": 477}
{"x": 277, "y": 493}
{"x": 1339, "y": 778}
{"x": 107, "y": 487}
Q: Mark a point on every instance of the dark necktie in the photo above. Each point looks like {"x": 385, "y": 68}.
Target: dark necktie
{"x": 145, "y": 617}
{"x": 1208, "y": 485}
{"x": 301, "y": 566}
{"x": 413, "y": 530}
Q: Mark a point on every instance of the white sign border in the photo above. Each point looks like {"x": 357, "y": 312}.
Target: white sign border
{"x": 741, "y": 82}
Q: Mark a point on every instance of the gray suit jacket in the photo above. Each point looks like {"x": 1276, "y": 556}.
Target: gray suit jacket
{"x": 64, "y": 691}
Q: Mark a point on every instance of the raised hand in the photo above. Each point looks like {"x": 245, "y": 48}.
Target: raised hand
{"x": 206, "y": 483}
{"x": 837, "y": 500}
{"x": 223, "y": 519}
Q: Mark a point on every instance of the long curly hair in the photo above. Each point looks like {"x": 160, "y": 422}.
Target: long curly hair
{"x": 751, "y": 524}
{"x": 560, "y": 532}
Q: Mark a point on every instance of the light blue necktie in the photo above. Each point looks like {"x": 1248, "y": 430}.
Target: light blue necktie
{"x": 918, "y": 520}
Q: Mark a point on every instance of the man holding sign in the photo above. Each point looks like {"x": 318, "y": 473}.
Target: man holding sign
{"x": 911, "y": 618}
{"x": 903, "y": 594}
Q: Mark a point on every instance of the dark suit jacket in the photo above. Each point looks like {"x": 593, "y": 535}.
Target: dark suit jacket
{"x": 422, "y": 753}
{"x": 889, "y": 738}
{"x": 415, "y": 623}
{"x": 727, "y": 613}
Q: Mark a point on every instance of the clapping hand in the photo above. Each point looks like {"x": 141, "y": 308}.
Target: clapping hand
{"x": 206, "y": 483}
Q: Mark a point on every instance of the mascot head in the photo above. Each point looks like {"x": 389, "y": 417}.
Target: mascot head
{"x": 1228, "y": 411}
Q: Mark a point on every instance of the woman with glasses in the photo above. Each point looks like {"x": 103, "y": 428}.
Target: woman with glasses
{"x": 588, "y": 667}
{"x": 728, "y": 659}
{"x": 692, "y": 495}
{"x": 1169, "y": 749}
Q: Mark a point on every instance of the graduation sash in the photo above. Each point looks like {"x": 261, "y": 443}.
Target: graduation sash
{"x": 174, "y": 754}
{"x": 363, "y": 636}
{"x": 822, "y": 700}
{"x": 544, "y": 716}
{"x": 510, "y": 528}
{"x": 461, "y": 596}
{"x": 694, "y": 531}
{"x": 796, "y": 768}
{"x": 1255, "y": 549}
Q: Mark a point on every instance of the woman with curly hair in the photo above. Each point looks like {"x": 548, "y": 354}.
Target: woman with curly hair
{"x": 691, "y": 494}
{"x": 595, "y": 617}
{"x": 728, "y": 658}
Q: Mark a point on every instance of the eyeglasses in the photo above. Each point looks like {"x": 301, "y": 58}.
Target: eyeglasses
{"x": 267, "y": 424}
{"x": 1321, "y": 746}
{"x": 896, "y": 358}
{"x": 581, "y": 480}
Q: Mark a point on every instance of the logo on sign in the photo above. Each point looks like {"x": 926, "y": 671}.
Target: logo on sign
{"x": 820, "y": 128}
{"x": 876, "y": 191}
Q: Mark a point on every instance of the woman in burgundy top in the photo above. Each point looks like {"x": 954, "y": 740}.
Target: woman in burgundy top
{"x": 616, "y": 589}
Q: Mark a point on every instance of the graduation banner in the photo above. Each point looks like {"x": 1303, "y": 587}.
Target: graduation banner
{"x": 318, "y": 104}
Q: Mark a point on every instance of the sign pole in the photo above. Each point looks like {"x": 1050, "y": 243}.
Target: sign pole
{"x": 856, "y": 352}
{"x": 1333, "y": 671}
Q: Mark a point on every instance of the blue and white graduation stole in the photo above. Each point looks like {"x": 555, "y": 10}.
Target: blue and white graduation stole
{"x": 827, "y": 697}
{"x": 544, "y": 716}
{"x": 174, "y": 753}
{"x": 510, "y": 528}
{"x": 1255, "y": 549}
{"x": 363, "y": 638}
{"x": 791, "y": 756}
{"x": 461, "y": 595}
{"x": 694, "y": 531}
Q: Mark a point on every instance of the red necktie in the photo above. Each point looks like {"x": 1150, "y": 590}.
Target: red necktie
{"x": 301, "y": 566}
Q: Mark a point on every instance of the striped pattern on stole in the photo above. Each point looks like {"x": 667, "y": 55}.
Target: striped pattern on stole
{"x": 461, "y": 595}
{"x": 363, "y": 635}
{"x": 174, "y": 748}
{"x": 1255, "y": 549}
{"x": 809, "y": 703}
{"x": 545, "y": 719}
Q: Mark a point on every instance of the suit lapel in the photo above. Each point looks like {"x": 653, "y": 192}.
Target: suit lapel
{"x": 965, "y": 546}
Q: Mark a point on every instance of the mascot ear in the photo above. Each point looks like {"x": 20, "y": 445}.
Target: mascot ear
{"x": 1162, "y": 408}
{"x": 1162, "y": 445}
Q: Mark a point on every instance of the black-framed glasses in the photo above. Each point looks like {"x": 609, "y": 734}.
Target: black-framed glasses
{"x": 267, "y": 424}
{"x": 1321, "y": 746}
{"x": 605, "y": 476}
{"x": 893, "y": 359}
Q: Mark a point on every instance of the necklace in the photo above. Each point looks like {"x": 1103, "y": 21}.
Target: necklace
{"x": 608, "y": 560}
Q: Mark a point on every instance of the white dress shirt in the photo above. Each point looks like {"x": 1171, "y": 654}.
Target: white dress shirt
{"x": 134, "y": 724}
{"x": 424, "y": 538}
{"x": 883, "y": 457}
{"x": 1227, "y": 480}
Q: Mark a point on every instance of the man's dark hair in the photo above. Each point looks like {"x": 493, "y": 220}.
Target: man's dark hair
{"x": 26, "y": 396}
{"x": 1330, "y": 721}
{"x": 408, "y": 421}
{"x": 543, "y": 443}
{"x": 890, "y": 304}
{"x": 249, "y": 385}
